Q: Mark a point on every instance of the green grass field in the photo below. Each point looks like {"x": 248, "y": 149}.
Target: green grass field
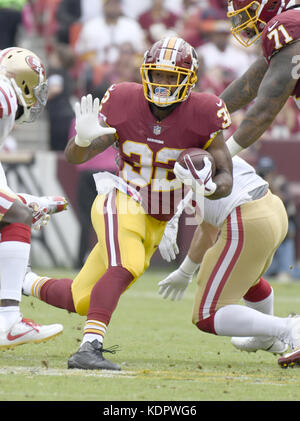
{"x": 163, "y": 356}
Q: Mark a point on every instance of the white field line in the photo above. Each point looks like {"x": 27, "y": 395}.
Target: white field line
{"x": 200, "y": 376}
{"x": 37, "y": 371}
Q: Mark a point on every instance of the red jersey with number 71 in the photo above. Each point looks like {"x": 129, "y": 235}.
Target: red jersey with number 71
{"x": 149, "y": 148}
{"x": 280, "y": 31}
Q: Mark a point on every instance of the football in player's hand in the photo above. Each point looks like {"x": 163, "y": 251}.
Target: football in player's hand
{"x": 197, "y": 155}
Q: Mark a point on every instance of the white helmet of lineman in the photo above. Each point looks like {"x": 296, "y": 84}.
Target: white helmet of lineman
{"x": 26, "y": 72}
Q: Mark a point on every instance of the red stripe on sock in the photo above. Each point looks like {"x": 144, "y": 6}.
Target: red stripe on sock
{"x": 16, "y": 232}
{"x": 207, "y": 325}
{"x": 258, "y": 292}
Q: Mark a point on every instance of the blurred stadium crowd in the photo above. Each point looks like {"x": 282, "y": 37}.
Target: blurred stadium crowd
{"x": 89, "y": 44}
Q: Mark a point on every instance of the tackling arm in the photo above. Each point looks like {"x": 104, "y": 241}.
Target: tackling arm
{"x": 175, "y": 284}
{"x": 243, "y": 90}
{"x": 275, "y": 89}
{"x": 204, "y": 237}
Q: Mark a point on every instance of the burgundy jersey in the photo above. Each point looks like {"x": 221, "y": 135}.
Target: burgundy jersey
{"x": 149, "y": 148}
{"x": 280, "y": 31}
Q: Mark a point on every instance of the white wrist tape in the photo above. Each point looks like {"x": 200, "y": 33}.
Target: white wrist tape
{"x": 233, "y": 146}
{"x": 188, "y": 266}
{"x": 81, "y": 142}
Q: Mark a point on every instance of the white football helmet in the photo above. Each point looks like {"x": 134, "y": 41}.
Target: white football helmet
{"x": 27, "y": 75}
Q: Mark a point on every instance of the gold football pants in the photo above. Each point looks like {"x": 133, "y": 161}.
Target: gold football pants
{"x": 127, "y": 237}
{"x": 243, "y": 252}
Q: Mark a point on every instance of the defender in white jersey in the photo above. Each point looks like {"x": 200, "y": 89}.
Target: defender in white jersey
{"x": 23, "y": 95}
{"x": 234, "y": 246}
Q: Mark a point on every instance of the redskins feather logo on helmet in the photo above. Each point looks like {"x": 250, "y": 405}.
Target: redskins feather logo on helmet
{"x": 174, "y": 55}
{"x": 27, "y": 75}
{"x": 249, "y": 17}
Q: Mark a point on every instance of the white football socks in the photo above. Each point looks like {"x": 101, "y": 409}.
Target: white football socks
{"x": 264, "y": 306}
{"x": 9, "y": 316}
{"x": 238, "y": 320}
{"x": 14, "y": 256}
{"x": 93, "y": 329}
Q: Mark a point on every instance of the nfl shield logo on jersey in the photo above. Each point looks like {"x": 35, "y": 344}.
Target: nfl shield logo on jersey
{"x": 157, "y": 130}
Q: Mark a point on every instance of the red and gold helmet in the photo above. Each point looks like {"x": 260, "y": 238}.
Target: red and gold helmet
{"x": 175, "y": 55}
{"x": 27, "y": 75}
{"x": 249, "y": 17}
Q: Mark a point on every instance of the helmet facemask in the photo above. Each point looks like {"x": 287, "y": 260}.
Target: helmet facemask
{"x": 31, "y": 113}
{"x": 246, "y": 24}
{"x": 164, "y": 95}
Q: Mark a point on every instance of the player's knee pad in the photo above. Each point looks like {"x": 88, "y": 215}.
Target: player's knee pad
{"x": 258, "y": 292}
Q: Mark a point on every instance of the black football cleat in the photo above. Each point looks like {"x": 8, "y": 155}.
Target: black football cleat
{"x": 89, "y": 357}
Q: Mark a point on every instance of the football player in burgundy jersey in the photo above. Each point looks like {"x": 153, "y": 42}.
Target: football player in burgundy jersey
{"x": 152, "y": 123}
{"x": 23, "y": 94}
{"x": 274, "y": 76}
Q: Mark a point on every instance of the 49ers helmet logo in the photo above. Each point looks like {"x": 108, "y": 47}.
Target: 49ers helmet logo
{"x": 35, "y": 64}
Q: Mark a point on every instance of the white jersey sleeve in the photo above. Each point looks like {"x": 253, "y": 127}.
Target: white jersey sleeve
{"x": 8, "y": 108}
{"x": 245, "y": 180}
